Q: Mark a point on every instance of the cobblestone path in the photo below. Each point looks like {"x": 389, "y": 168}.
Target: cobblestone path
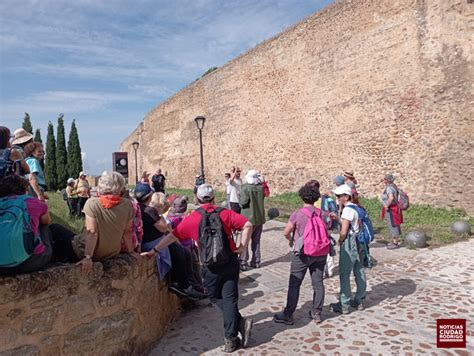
{"x": 407, "y": 291}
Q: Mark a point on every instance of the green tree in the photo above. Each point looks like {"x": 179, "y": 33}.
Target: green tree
{"x": 27, "y": 123}
{"x": 61, "y": 154}
{"x": 50, "y": 160}
{"x": 74, "y": 157}
{"x": 38, "y": 136}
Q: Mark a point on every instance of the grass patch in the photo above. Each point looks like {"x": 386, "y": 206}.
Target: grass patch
{"x": 60, "y": 213}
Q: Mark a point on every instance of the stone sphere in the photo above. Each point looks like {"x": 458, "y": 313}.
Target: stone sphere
{"x": 461, "y": 227}
{"x": 273, "y": 213}
{"x": 416, "y": 238}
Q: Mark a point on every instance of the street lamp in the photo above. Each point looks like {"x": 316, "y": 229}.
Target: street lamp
{"x": 135, "y": 147}
{"x": 200, "y": 125}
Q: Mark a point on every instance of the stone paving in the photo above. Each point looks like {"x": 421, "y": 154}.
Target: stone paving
{"x": 407, "y": 291}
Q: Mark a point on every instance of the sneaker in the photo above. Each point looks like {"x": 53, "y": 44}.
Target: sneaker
{"x": 193, "y": 294}
{"x": 315, "y": 316}
{"x": 230, "y": 345}
{"x": 176, "y": 289}
{"x": 358, "y": 306}
{"x": 255, "y": 264}
{"x": 337, "y": 308}
{"x": 282, "y": 318}
{"x": 245, "y": 326}
{"x": 392, "y": 246}
{"x": 244, "y": 267}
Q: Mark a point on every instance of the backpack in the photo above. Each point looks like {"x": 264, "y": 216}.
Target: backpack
{"x": 366, "y": 229}
{"x": 328, "y": 206}
{"x": 214, "y": 246}
{"x": 266, "y": 189}
{"x": 315, "y": 236}
{"x": 17, "y": 240}
{"x": 6, "y": 165}
{"x": 63, "y": 194}
{"x": 403, "y": 201}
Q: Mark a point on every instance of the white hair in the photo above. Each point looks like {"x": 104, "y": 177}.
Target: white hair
{"x": 112, "y": 183}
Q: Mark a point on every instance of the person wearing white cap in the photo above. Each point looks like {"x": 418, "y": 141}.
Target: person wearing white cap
{"x": 72, "y": 197}
{"x": 83, "y": 191}
{"x": 205, "y": 225}
{"x": 351, "y": 255}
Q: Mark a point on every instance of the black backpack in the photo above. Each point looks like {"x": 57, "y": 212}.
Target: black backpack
{"x": 214, "y": 246}
{"x": 6, "y": 165}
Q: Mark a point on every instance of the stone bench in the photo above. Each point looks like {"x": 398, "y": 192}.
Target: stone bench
{"x": 120, "y": 308}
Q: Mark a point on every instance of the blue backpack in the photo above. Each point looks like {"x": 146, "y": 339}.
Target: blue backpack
{"x": 17, "y": 240}
{"x": 366, "y": 229}
{"x": 328, "y": 205}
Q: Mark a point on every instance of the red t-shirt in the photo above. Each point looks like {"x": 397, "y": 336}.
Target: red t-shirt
{"x": 189, "y": 227}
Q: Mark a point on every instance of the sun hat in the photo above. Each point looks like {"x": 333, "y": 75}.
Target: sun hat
{"x": 343, "y": 189}
{"x": 338, "y": 180}
{"x": 205, "y": 193}
{"x": 349, "y": 174}
{"x": 143, "y": 191}
{"x": 70, "y": 180}
{"x": 21, "y": 136}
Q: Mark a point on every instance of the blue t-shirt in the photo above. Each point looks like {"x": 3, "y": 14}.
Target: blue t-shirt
{"x": 35, "y": 167}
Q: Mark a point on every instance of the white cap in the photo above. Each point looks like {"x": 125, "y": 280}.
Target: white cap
{"x": 82, "y": 174}
{"x": 343, "y": 189}
{"x": 252, "y": 176}
{"x": 70, "y": 180}
{"x": 205, "y": 193}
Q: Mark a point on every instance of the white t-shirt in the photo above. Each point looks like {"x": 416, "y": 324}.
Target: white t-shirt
{"x": 234, "y": 190}
{"x": 227, "y": 186}
{"x": 351, "y": 215}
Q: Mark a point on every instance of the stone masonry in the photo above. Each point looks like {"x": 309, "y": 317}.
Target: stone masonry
{"x": 371, "y": 85}
{"x": 121, "y": 308}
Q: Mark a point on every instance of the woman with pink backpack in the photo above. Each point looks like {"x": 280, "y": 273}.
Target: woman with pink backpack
{"x": 311, "y": 247}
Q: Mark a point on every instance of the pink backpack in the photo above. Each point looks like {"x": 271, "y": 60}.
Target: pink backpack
{"x": 315, "y": 236}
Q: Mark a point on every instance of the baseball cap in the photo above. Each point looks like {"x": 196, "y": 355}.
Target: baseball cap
{"x": 180, "y": 205}
{"x": 343, "y": 189}
{"x": 252, "y": 176}
{"x": 389, "y": 177}
{"x": 70, "y": 180}
{"x": 338, "y": 180}
{"x": 143, "y": 191}
{"x": 205, "y": 193}
{"x": 82, "y": 174}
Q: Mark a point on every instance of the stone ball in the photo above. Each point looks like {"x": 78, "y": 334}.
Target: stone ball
{"x": 461, "y": 227}
{"x": 273, "y": 213}
{"x": 416, "y": 238}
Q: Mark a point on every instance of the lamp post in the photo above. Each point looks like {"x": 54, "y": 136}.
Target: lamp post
{"x": 200, "y": 125}
{"x": 135, "y": 147}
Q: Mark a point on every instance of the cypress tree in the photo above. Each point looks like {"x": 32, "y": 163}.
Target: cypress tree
{"x": 61, "y": 154}
{"x": 38, "y": 136}
{"x": 50, "y": 160}
{"x": 27, "y": 123}
{"x": 74, "y": 157}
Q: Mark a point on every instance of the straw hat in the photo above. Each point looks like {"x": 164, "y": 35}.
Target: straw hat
{"x": 21, "y": 136}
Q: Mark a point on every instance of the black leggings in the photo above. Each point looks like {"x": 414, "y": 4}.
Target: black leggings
{"x": 62, "y": 244}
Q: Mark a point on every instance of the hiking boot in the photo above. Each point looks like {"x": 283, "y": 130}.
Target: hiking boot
{"x": 193, "y": 294}
{"x": 393, "y": 246}
{"x": 282, "y": 318}
{"x": 315, "y": 316}
{"x": 358, "y": 306}
{"x": 231, "y": 344}
{"x": 245, "y": 326}
{"x": 338, "y": 308}
{"x": 244, "y": 267}
{"x": 255, "y": 264}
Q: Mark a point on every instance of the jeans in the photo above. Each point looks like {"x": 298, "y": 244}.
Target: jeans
{"x": 255, "y": 245}
{"x": 222, "y": 285}
{"x": 350, "y": 262}
{"x": 235, "y": 207}
{"x": 299, "y": 265}
{"x": 62, "y": 244}
{"x": 34, "y": 262}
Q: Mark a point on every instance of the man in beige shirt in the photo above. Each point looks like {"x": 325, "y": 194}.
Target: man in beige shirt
{"x": 83, "y": 192}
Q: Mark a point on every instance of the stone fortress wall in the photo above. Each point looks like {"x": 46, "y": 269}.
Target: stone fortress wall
{"x": 374, "y": 86}
{"x": 121, "y": 308}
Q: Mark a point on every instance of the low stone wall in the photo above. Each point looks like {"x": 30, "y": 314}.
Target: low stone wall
{"x": 120, "y": 308}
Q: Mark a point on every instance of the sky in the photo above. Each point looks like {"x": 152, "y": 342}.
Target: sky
{"x": 107, "y": 63}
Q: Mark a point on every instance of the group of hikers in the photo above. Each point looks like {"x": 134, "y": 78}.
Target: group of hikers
{"x": 199, "y": 250}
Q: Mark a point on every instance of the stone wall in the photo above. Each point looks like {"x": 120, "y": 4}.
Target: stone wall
{"x": 371, "y": 85}
{"x": 121, "y": 308}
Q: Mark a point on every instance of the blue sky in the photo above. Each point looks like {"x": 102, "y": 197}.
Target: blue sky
{"x": 107, "y": 63}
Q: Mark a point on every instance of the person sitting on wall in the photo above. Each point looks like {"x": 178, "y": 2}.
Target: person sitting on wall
{"x": 107, "y": 223}
{"x": 13, "y": 192}
{"x": 175, "y": 257}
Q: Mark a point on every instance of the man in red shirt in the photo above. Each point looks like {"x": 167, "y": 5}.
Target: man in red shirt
{"x": 221, "y": 281}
